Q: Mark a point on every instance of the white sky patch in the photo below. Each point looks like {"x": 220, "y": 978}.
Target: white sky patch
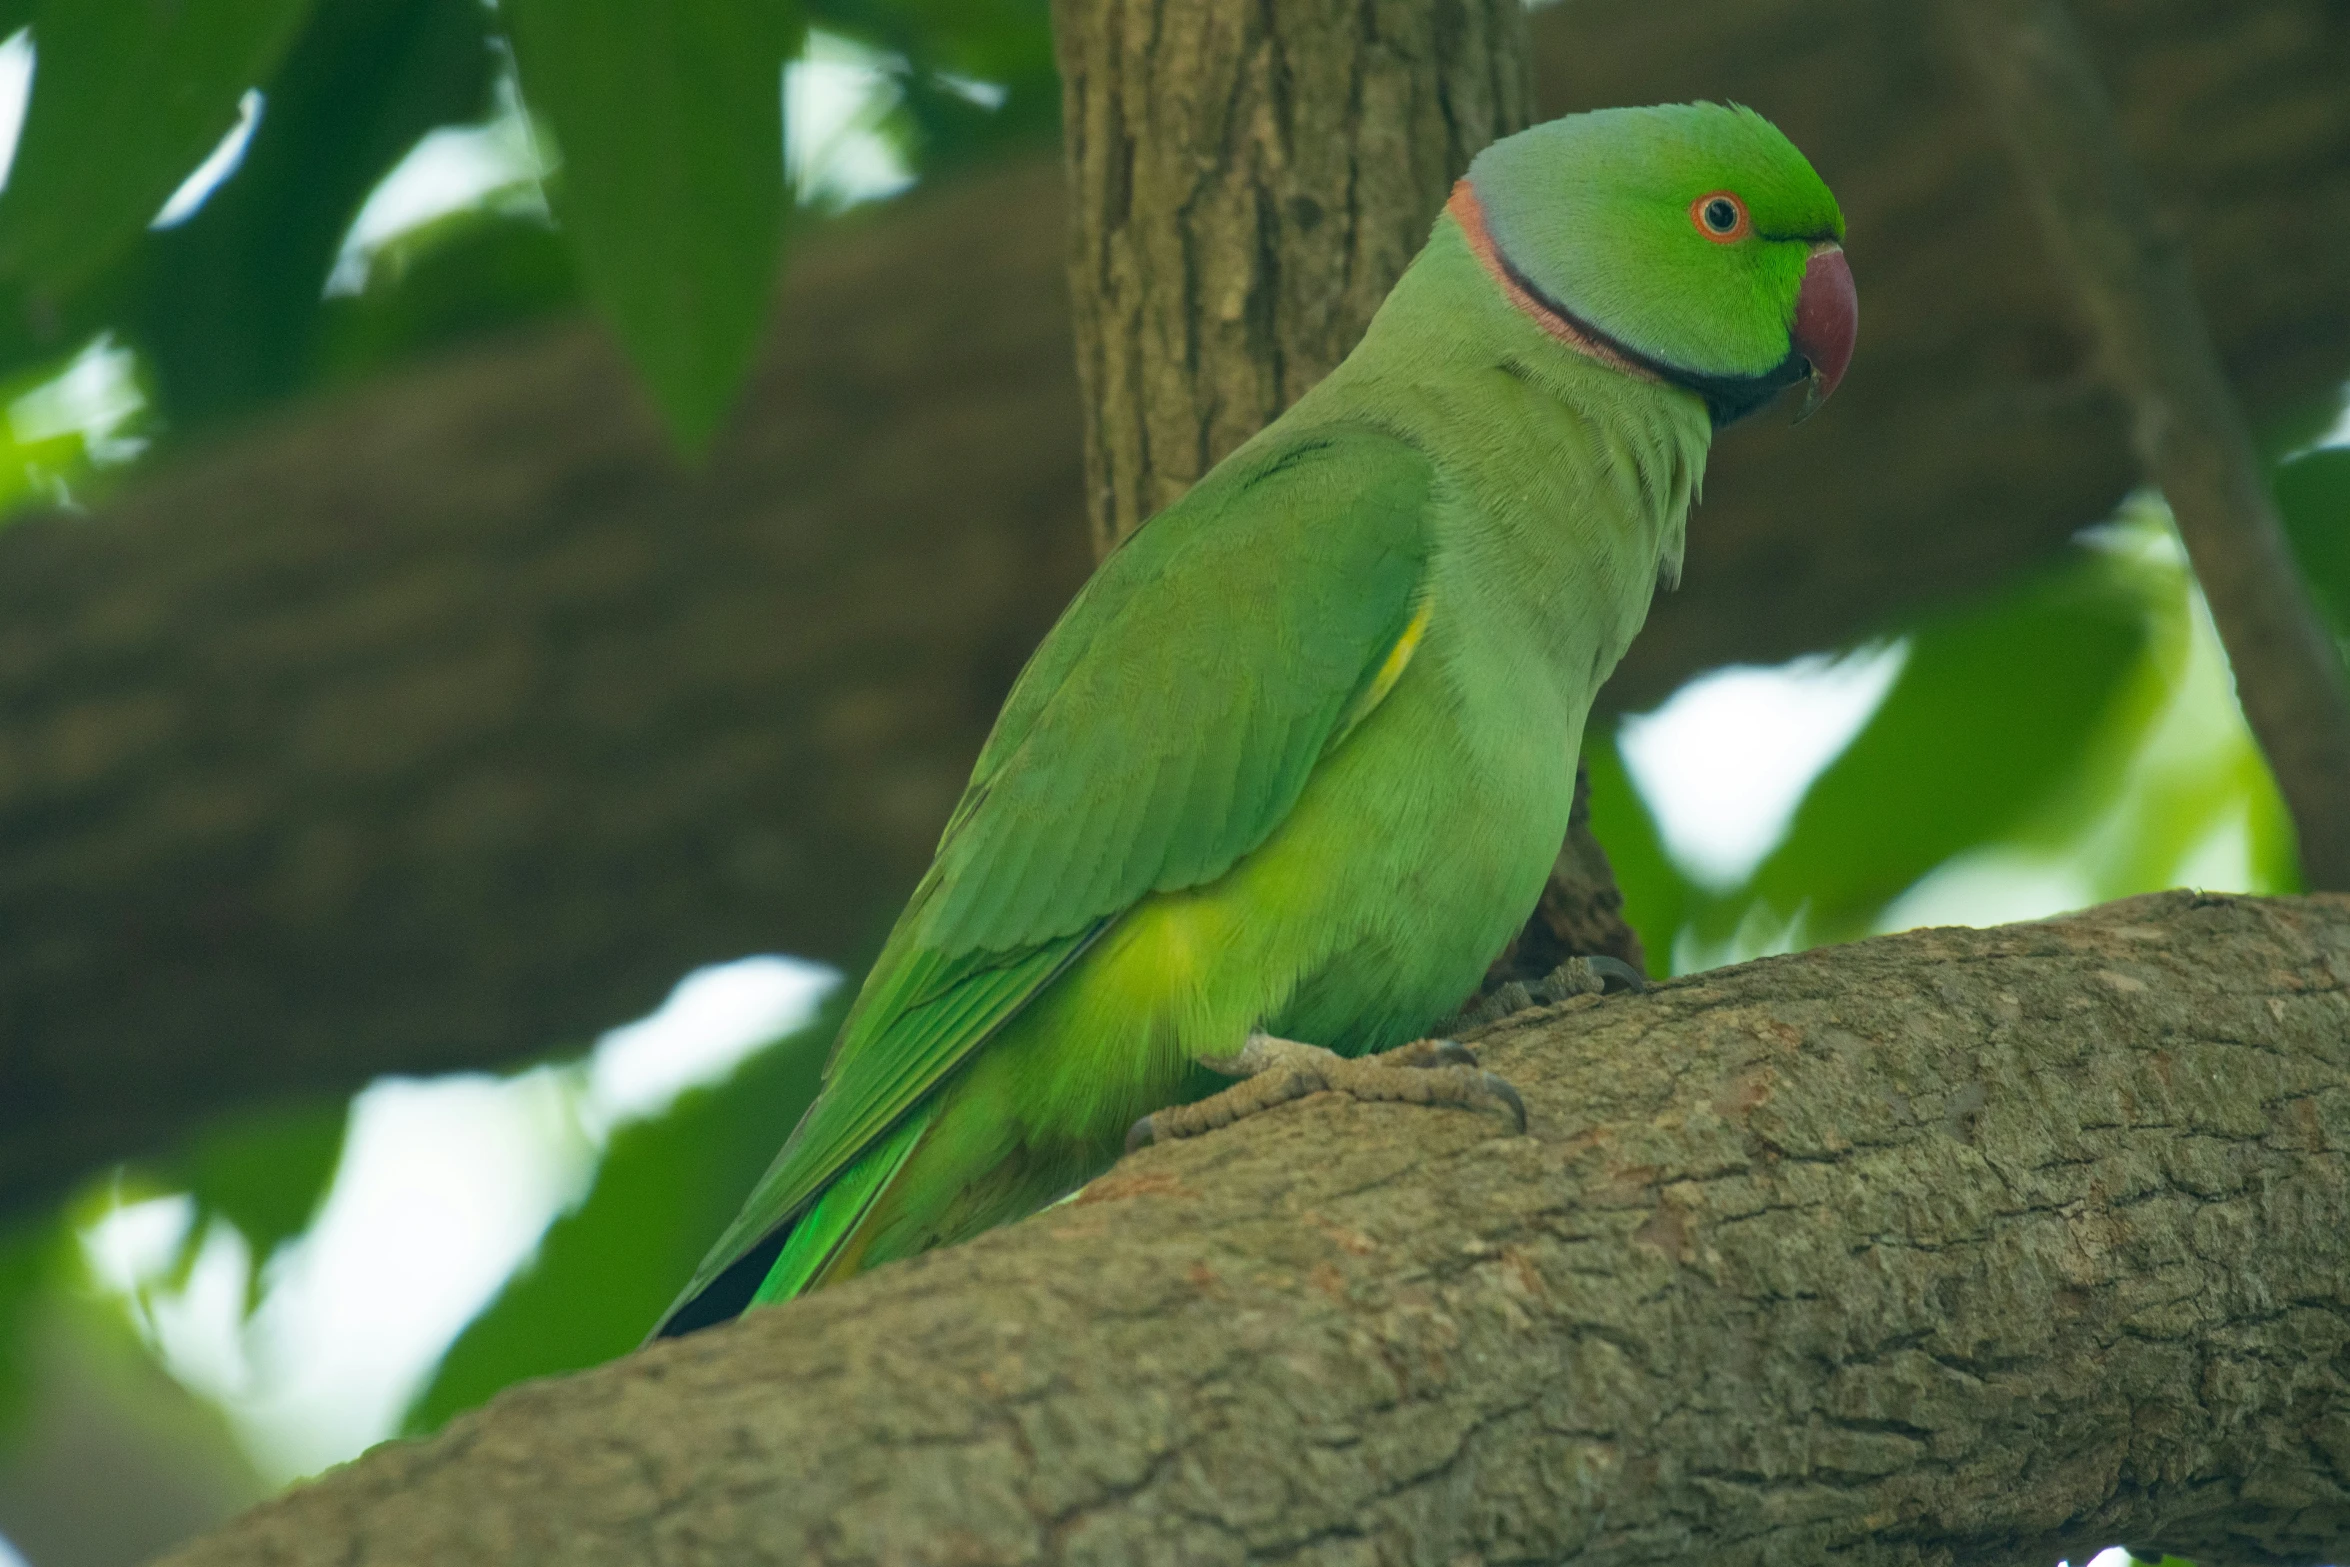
{"x": 445, "y": 1188}
{"x": 711, "y": 1021}
{"x": 1726, "y": 760}
{"x": 1761, "y": 933}
{"x": 834, "y": 96}
{"x": 499, "y": 162}
{"x": 1996, "y": 885}
{"x": 9, "y": 1556}
{"x": 2221, "y": 861}
{"x": 95, "y": 396}
{"x": 990, "y": 96}
{"x": 197, "y": 1328}
{"x": 2337, "y": 435}
{"x": 136, "y": 1241}
{"x": 16, "y": 89}
{"x": 218, "y": 164}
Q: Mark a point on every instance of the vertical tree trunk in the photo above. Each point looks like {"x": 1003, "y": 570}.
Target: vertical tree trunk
{"x": 1248, "y": 179}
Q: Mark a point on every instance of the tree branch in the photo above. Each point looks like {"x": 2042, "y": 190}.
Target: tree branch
{"x": 1949, "y": 1246}
{"x": 2131, "y": 276}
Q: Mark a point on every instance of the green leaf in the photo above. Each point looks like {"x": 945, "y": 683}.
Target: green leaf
{"x": 459, "y": 276}
{"x": 265, "y": 1172}
{"x": 1007, "y": 44}
{"x": 2313, "y": 500}
{"x": 1996, "y": 712}
{"x": 30, "y": 1252}
{"x": 1656, "y": 895}
{"x": 128, "y": 96}
{"x": 605, "y": 1272}
{"x": 669, "y": 118}
{"x": 227, "y": 306}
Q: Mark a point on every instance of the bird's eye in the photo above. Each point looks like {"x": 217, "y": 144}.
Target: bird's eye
{"x": 1720, "y": 217}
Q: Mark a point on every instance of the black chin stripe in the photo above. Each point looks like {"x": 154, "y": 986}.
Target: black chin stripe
{"x": 1728, "y": 398}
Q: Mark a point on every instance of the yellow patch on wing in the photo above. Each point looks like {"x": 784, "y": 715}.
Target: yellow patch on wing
{"x": 1390, "y": 671}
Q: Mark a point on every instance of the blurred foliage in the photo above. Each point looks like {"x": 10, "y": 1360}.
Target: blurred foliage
{"x": 455, "y": 277}
{"x": 226, "y": 306}
{"x": 27, "y": 1251}
{"x": 669, "y": 123}
{"x": 671, "y": 193}
{"x": 266, "y": 1173}
{"x": 2079, "y": 725}
{"x": 607, "y": 1270}
{"x": 938, "y": 49}
{"x": 104, "y": 1456}
{"x": 1996, "y": 711}
{"x": 127, "y": 99}
{"x": 2313, "y": 497}
{"x": 1657, "y": 896}
{"x": 67, "y": 425}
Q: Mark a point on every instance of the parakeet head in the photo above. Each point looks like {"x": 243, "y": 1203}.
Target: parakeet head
{"x": 1690, "y": 242}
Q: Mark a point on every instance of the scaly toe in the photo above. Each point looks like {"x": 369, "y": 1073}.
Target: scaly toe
{"x": 1424, "y": 1053}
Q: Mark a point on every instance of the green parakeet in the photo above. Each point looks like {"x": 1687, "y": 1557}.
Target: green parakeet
{"x": 1295, "y": 763}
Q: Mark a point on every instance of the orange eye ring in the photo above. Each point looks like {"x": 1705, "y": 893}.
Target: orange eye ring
{"x": 1707, "y": 214}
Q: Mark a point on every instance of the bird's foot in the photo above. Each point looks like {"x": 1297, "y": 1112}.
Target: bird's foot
{"x": 1274, "y": 1071}
{"x": 1580, "y": 976}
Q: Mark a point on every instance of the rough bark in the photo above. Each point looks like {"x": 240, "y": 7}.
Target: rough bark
{"x": 1248, "y": 181}
{"x": 2131, "y": 278}
{"x": 1955, "y": 1246}
{"x": 448, "y": 722}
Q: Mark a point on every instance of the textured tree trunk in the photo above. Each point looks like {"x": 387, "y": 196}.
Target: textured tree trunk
{"x": 444, "y": 722}
{"x": 1249, "y": 178}
{"x": 1955, "y": 1246}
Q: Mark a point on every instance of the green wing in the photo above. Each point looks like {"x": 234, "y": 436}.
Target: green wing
{"x": 1164, "y": 728}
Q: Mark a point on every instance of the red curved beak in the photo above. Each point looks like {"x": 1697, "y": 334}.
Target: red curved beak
{"x": 1827, "y": 318}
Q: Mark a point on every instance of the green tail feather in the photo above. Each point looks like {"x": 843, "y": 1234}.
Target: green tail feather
{"x": 834, "y": 1217}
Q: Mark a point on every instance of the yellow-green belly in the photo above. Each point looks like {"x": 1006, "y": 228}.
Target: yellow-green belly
{"x": 1414, "y": 853}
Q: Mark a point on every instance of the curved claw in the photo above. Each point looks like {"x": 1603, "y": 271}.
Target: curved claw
{"x": 1141, "y": 1134}
{"x": 1448, "y": 1052}
{"x": 1616, "y": 975}
{"x": 1499, "y": 1088}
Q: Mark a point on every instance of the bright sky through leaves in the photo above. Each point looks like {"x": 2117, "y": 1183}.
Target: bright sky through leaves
{"x": 96, "y": 397}
{"x": 499, "y": 161}
{"x": 16, "y": 85}
{"x": 1725, "y": 761}
{"x": 445, "y": 1186}
{"x": 835, "y": 96}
